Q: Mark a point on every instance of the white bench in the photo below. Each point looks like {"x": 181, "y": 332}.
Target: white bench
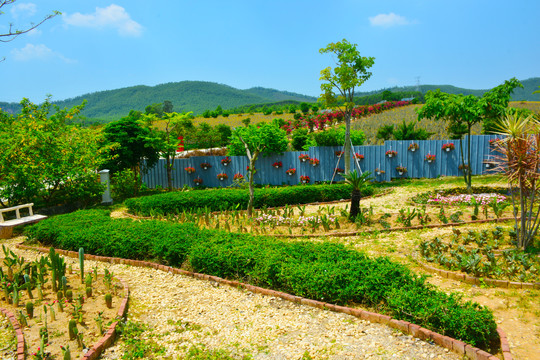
{"x": 6, "y": 226}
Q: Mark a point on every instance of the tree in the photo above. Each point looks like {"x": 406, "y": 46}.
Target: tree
{"x": 358, "y": 183}
{"x": 46, "y": 160}
{"x": 520, "y": 161}
{"x": 134, "y": 145}
{"x": 385, "y": 132}
{"x": 253, "y": 141}
{"x": 351, "y": 70}
{"x": 494, "y": 104}
{"x": 14, "y": 32}
{"x": 168, "y": 106}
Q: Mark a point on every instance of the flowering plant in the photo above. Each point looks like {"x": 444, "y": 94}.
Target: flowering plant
{"x": 304, "y": 178}
{"x": 197, "y": 181}
{"x": 226, "y": 161}
{"x": 189, "y": 169}
{"x": 238, "y": 176}
{"x": 340, "y": 170}
{"x": 359, "y": 156}
{"x": 205, "y": 166}
{"x": 448, "y": 146}
{"x": 430, "y": 157}
{"x": 413, "y": 147}
{"x": 379, "y": 171}
{"x": 222, "y": 176}
{"x": 339, "y": 153}
{"x": 462, "y": 167}
{"x": 492, "y": 142}
{"x": 391, "y": 153}
{"x": 277, "y": 164}
{"x": 291, "y": 171}
{"x": 314, "y": 161}
{"x": 303, "y": 157}
{"x": 401, "y": 169}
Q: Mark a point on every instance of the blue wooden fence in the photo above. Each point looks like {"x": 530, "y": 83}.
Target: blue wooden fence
{"x": 446, "y": 164}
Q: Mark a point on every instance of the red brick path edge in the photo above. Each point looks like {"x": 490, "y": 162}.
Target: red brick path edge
{"x": 456, "y": 346}
{"x": 477, "y": 281}
{"x": 416, "y": 227}
{"x": 109, "y": 337}
{"x": 18, "y": 332}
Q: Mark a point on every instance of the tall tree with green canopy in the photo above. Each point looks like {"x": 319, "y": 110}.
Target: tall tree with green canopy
{"x": 460, "y": 112}
{"x": 45, "y": 159}
{"x": 134, "y": 144}
{"x": 339, "y": 84}
{"x": 253, "y": 141}
{"x": 494, "y": 104}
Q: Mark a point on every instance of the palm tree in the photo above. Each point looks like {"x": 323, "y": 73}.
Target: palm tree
{"x": 520, "y": 161}
{"x": 358, "y": 183}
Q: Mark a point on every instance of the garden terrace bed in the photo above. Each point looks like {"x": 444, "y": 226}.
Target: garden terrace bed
{"x": 225, "y": 199}
{"x": 320, "y": 271}
{"x": 452, "y": 193}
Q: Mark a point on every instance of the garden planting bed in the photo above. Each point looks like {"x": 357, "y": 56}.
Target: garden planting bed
{"x": 94, "y": 320}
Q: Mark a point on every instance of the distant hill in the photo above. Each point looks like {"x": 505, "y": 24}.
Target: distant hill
{"x": 198, "y": 96}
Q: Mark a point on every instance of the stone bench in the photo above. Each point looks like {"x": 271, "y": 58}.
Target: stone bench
{"x": 6, "y": 226}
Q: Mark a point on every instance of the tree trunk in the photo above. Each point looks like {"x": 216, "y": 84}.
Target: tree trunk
{"x": 469, "y": 166}
{"x": 251, "y": 187}
{"x": 347, "y": 147}
{"x": 355, "y": 204}
{"x": 169, "y": 172}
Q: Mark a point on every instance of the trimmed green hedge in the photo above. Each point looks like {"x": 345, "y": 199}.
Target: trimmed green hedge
{"x": 324, "y": 271}
{"x": 224, "y": 199}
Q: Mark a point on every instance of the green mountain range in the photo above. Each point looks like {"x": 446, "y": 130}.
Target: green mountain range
{"x": 198, "y": 96}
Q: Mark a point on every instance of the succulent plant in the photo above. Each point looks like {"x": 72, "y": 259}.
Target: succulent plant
{"x": 81, "y": 263}
{"x": 108, "y": 300}
{"x": 69, "y": 295}
{"x": 72, "y": 329}
{"x": 30, "y": 309}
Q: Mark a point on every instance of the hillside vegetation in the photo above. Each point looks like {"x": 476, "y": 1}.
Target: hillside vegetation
{"x": 198, "y": 96}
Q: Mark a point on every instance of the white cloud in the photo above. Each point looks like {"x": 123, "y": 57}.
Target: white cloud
{"x": 388, "y": 20}
{"x": 113, "y": 16}
{"x": 38, "y": 52}
{"x": 23, "y": 9}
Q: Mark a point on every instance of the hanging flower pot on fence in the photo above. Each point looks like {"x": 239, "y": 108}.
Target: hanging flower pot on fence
{"x": 401, "y": 170}
{"x": 448, "y": 147}
{"x": 391, "y": 153}
{"x": 205, "y": 166}
{"x": 339, "y": 153}
{"x": 413, "y": 147}
{"x": 197, "y": 181}
{"x": 226, "y": 161}
{"x": 304, "y": 179}
{"x": 189, "y": 169}
{"x": 238, "y": 176}
{"x": 277, "y": 164}
{"x": 430, "y": 158}
{"x": 222, "y": 176}
{"x": 314, "y": 161}
{"x": 291, "y": 171}
{"x": 303, "y": 157}
{"x": 359, "y": 156}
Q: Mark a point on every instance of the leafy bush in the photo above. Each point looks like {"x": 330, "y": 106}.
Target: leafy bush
{"x": 222, "y": 199}
{"x": 324, "y": 271}
{"x": 336, "y": 137}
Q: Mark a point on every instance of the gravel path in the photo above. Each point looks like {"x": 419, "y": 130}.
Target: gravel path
{"x": 183, "y": 312}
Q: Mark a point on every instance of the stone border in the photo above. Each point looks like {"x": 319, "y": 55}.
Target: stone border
{"x": 21, "y": 355}
{"x": 370, "y": 231}
{"x": 505, "y": 284}
{"x": 454, "y": 345}
{"x": 110, "y": 336}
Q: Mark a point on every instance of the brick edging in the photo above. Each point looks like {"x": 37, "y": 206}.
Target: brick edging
{"x": 505, "y": 284}
{"x": 457, "y": 346}
{"x": 110, "y": 336}
{"x": 416, "y": 227}
{"x": 21, "y": 353}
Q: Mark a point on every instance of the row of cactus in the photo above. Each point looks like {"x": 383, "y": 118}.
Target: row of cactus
{"x": 30, "y": 276}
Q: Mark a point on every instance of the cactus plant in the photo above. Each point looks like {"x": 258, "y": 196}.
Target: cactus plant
{"x": 69, "y": 295}
{"x": 22, "y": 319}
{"x": 64, "y": 284}
{"x": 59, "y": 295}
{"x": 66, "y": 352}
{"x": 88, "y": 292}
{"x": 108, "y": 300}
{"x": 72, "y": 329}
{"x": 30, "y": 309}
{"x": 81, "y": 263}
{"x": 28, "y": 285}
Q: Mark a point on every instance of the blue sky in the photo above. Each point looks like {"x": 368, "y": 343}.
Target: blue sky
{"x": 102, "y": 45}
